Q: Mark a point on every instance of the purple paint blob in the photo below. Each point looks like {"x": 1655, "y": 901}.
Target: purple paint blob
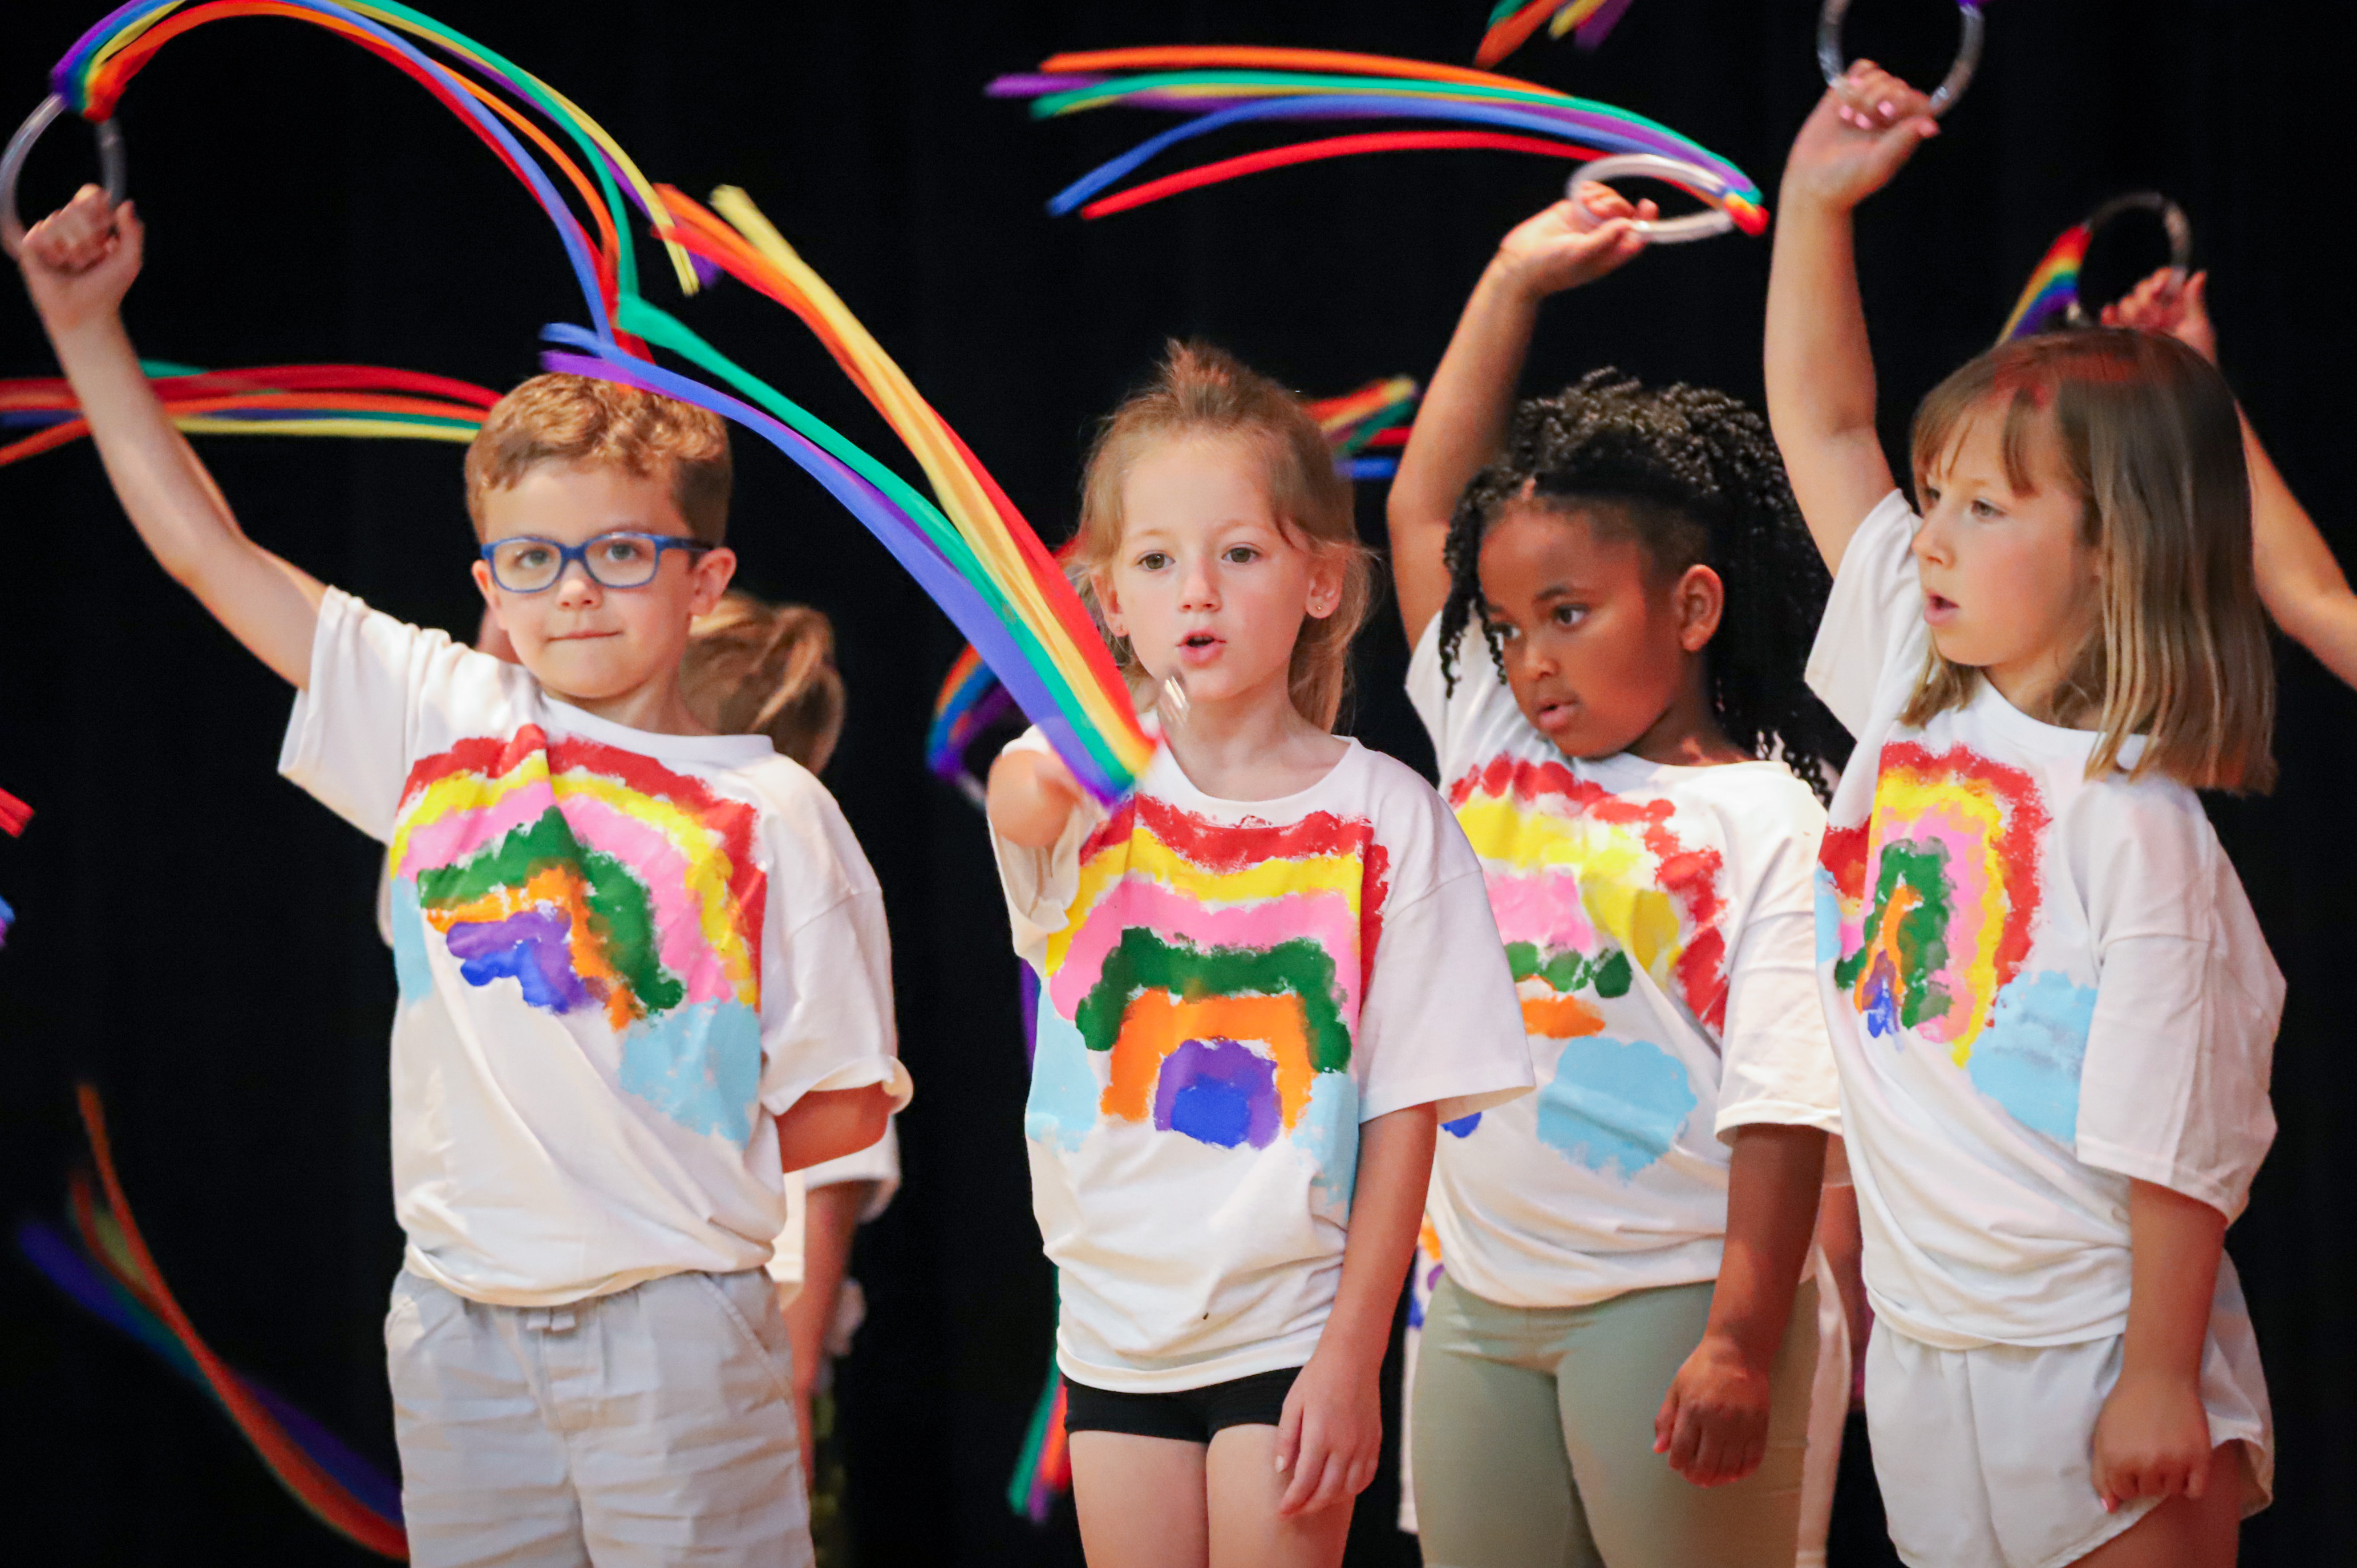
{"x": 1218, "y": 1093}
{"x": 530, "y": 949}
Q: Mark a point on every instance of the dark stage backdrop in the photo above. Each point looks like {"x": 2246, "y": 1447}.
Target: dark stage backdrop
{"x": 196, "y": 934}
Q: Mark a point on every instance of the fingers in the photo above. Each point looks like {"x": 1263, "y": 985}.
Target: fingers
{"x": 1872, "y": 98}
{"x": 1288, "y": 1433}
{"x": 1665, "y": 1421}
{"x": 1309, "y": 1468}
{"x": 1603, "y": 200}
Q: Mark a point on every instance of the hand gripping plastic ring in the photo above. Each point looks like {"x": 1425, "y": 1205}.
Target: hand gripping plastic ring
{"x": 2173, "y": 221}
{"x": 1944, "y": 96}
{"x": 1702, "y": 182}
{"x": 12, "y": 163}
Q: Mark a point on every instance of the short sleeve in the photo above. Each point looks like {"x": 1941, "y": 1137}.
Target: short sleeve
{"x": 1458, "y": 720}
{"x": 833, "y": 1029}
{"x": 1777, "y": 1059}
{"x": 1440, "y": 1022}
{"x": 878, "y": 1163}
{"x": 1873, "y": 620}
{"x": 2174, "y": 1087}
{"x": 1040, "y": 884}
{"x": 355, "y": 728}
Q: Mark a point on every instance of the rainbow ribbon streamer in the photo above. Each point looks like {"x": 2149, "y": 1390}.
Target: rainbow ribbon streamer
{"x": 2053, "y": 286}
{"x": 14, "y": 816}
{"x": 1377, "y": 414}
{"x": 364, "y": 401}
{"x": 1217, "y": 86}
{"x": 973, "y": 551}
{"x": 1589, "y": 22}
{"x": 113, "y": 1276}
{"x": 1044, "y": 1472}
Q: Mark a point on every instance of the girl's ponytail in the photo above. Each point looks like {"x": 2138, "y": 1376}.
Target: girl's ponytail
{"x": 754, "y": 668}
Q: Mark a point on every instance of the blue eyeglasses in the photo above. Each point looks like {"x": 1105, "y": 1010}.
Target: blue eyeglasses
{"x": 528, "y": 564}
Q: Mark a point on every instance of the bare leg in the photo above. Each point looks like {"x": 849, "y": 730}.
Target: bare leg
{"x": 1245, "y": 1530}
{"x": 2183, "y": 1532}
{"x": 1140, "y": 1500}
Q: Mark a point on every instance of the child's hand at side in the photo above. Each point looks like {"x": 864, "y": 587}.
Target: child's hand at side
{"x": 1714, "y": 1423}
{"x": 2152, "y": 1439}
{"x": 2162, "y": 305}
{"x": 1550, "y": 252}
{"x": 1330, "y": 1438}
{"x": 79, "y": 260}
{"x": 1032, "y": 796}
{"x": 1860, "y": 134}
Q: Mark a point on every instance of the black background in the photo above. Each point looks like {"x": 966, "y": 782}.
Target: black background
{"x": 196, "y": 935}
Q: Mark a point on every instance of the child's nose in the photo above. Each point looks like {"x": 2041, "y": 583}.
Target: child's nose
{"x": 574, "y": 585}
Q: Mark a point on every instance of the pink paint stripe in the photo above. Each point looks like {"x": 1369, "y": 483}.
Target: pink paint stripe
{"x": 1542, "y": 908}
{"x": 662, "y": 867}
{"x": 457, "y": 834}
{"x": 1324, "y": 916}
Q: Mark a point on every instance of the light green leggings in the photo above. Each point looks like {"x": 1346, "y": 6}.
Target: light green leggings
{"x": 1534, "y": 1438}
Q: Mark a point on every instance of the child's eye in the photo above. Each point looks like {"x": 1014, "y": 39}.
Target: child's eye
{"x": 531, "y": 557}
{"x": 1239, "y": 554}
{"x": 621, "y": 552}
{"x": 1152, "y": 561}
{"x": 1982, "y": 507}
{"x": 1569, "y": 615}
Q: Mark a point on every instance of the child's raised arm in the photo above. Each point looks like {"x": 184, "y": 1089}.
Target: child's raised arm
{"x": 1032, "y": 795}
{"x": 1462, "y": 420}
{"x": 1820, "y": 370}
{"x": 2300, "y": 582}
{"x": 78, "y": 264}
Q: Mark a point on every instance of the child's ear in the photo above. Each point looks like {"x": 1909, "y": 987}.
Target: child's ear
{"x": 1108, "y": 602}
{"x": 1698, "y": 600}
{"x": 1328, "y": 569}
{"x": 712, "y": 572}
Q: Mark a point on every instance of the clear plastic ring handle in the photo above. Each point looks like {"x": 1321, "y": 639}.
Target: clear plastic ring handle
{"x": 1832, "y": 60}
{"x": 2173, "y": 221}
{"x": 1705, "y": 183}
{"x": 20, "y": 146}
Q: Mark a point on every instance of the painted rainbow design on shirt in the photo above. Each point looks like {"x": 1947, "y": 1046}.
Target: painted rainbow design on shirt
{"x": 1585, "y": 884}
{"x": 598, "y": 881}
{"x": 1220, "y": 967}
{"x": 1936, "y": 893}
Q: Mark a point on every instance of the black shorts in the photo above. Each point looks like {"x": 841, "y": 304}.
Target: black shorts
{"x": 1190, "y": 1415}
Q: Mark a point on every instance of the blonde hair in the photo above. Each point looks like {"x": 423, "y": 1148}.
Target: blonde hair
{"x": 756, "y": 668}
{"x": 1201, "y": 391}
{"x": 579, "y": 419}
{"x": 2147, "y": 437}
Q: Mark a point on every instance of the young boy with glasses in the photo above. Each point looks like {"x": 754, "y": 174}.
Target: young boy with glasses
{"x": 643, "y": 967}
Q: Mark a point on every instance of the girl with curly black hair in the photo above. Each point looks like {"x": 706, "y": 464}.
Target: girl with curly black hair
{"x": 1610, "y": 593}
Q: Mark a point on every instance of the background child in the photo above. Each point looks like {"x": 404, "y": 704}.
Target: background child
{"x": 1264, "y": 979}
{"x": 1624, "y": 1248}
{"x": 589, "y": 1114}
{"x": 2052, "y": 1007}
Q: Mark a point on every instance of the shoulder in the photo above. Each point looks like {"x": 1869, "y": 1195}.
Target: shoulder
{"x": 813, "y": 849}
{"x": 1759, "y": 799}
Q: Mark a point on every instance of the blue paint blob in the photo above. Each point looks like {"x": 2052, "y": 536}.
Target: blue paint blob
{"x": 1614, "y": 1104}
{"x": 1463, "y": 1126}
{"x": 1829, "y": 932}
{"x": 1328, "y": 1129}
{"x": 2029, "y": 1057}
{"x": 1063, "y": 1105}
{"x": 412, "y": 969}
{"x": 1216, "y": 1092}
{"x": 531, "y": 948}
{"x": 700, "y": 1065}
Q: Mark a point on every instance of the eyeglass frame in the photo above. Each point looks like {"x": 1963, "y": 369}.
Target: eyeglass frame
{"x": 566, "y": 555}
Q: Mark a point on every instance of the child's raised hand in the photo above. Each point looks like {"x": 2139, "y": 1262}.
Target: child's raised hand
{"x": 1330, "y": 1438}
{"x": 1032, "y": 795}
{"x": 1856, "y": 139}
{"x": 2162, "y": 305}
{"x": 1551, "y": 251}
{"x": 2152, "y": 1440}
{"x": 1714, "y": 1423}
{"x": 79, "y": 260}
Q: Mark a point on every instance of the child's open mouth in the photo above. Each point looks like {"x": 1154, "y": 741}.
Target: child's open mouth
{"x": 1197, "y": 647}
{"x": 1937, "y": 610}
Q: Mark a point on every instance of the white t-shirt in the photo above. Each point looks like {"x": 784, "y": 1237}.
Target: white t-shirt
{"x": 1229, "y": 988}
{"x": 1659, "y": 921}
{"x": 2039, "y": 985}
{"x": 620, "y": 955}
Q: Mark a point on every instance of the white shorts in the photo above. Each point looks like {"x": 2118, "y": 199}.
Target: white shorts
{"x": 652, "y": 1428}
{"x": 1986, "y": 1456}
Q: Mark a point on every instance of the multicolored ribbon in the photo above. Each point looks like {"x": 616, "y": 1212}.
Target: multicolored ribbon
{"x": 14, "y": 816}
{"x": 973, "y": 551}
{"x": 2051, "y": 299}
{"x": 113, "y": 1276}
{"x": 1221, "y": 85}
{"x": 361, "y": 401}
{"x": 1044, "y": 1470}
{"x": 1512, "y": 22}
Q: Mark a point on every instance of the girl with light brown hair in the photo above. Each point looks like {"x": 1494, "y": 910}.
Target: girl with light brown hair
{"x": 1266, "y": 978}
{"x": 2051, "y": 1006}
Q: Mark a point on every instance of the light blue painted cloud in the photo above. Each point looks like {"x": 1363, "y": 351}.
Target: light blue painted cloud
{"x": 1062, "y": 1106}
{"x": 699, "y": 1064}
{"x": 1614, "y": 1104}
{"x": 411, "y": 969}
{"x": 1829, "y": 936}
{"x": 1328, "y": 1129}
{"x": 2029, "y": 1057}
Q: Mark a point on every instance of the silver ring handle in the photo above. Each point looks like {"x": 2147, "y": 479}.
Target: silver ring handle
{"x": 1832, "y": 60}
{"x": 20, "y": 146}
{"x": 2173, "y": 222}
{"x": 1705, "y": 183}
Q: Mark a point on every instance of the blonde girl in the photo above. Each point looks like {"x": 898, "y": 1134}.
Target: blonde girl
{"x": 1264, "y": 979}
{"x": 2051, "y": 1006}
